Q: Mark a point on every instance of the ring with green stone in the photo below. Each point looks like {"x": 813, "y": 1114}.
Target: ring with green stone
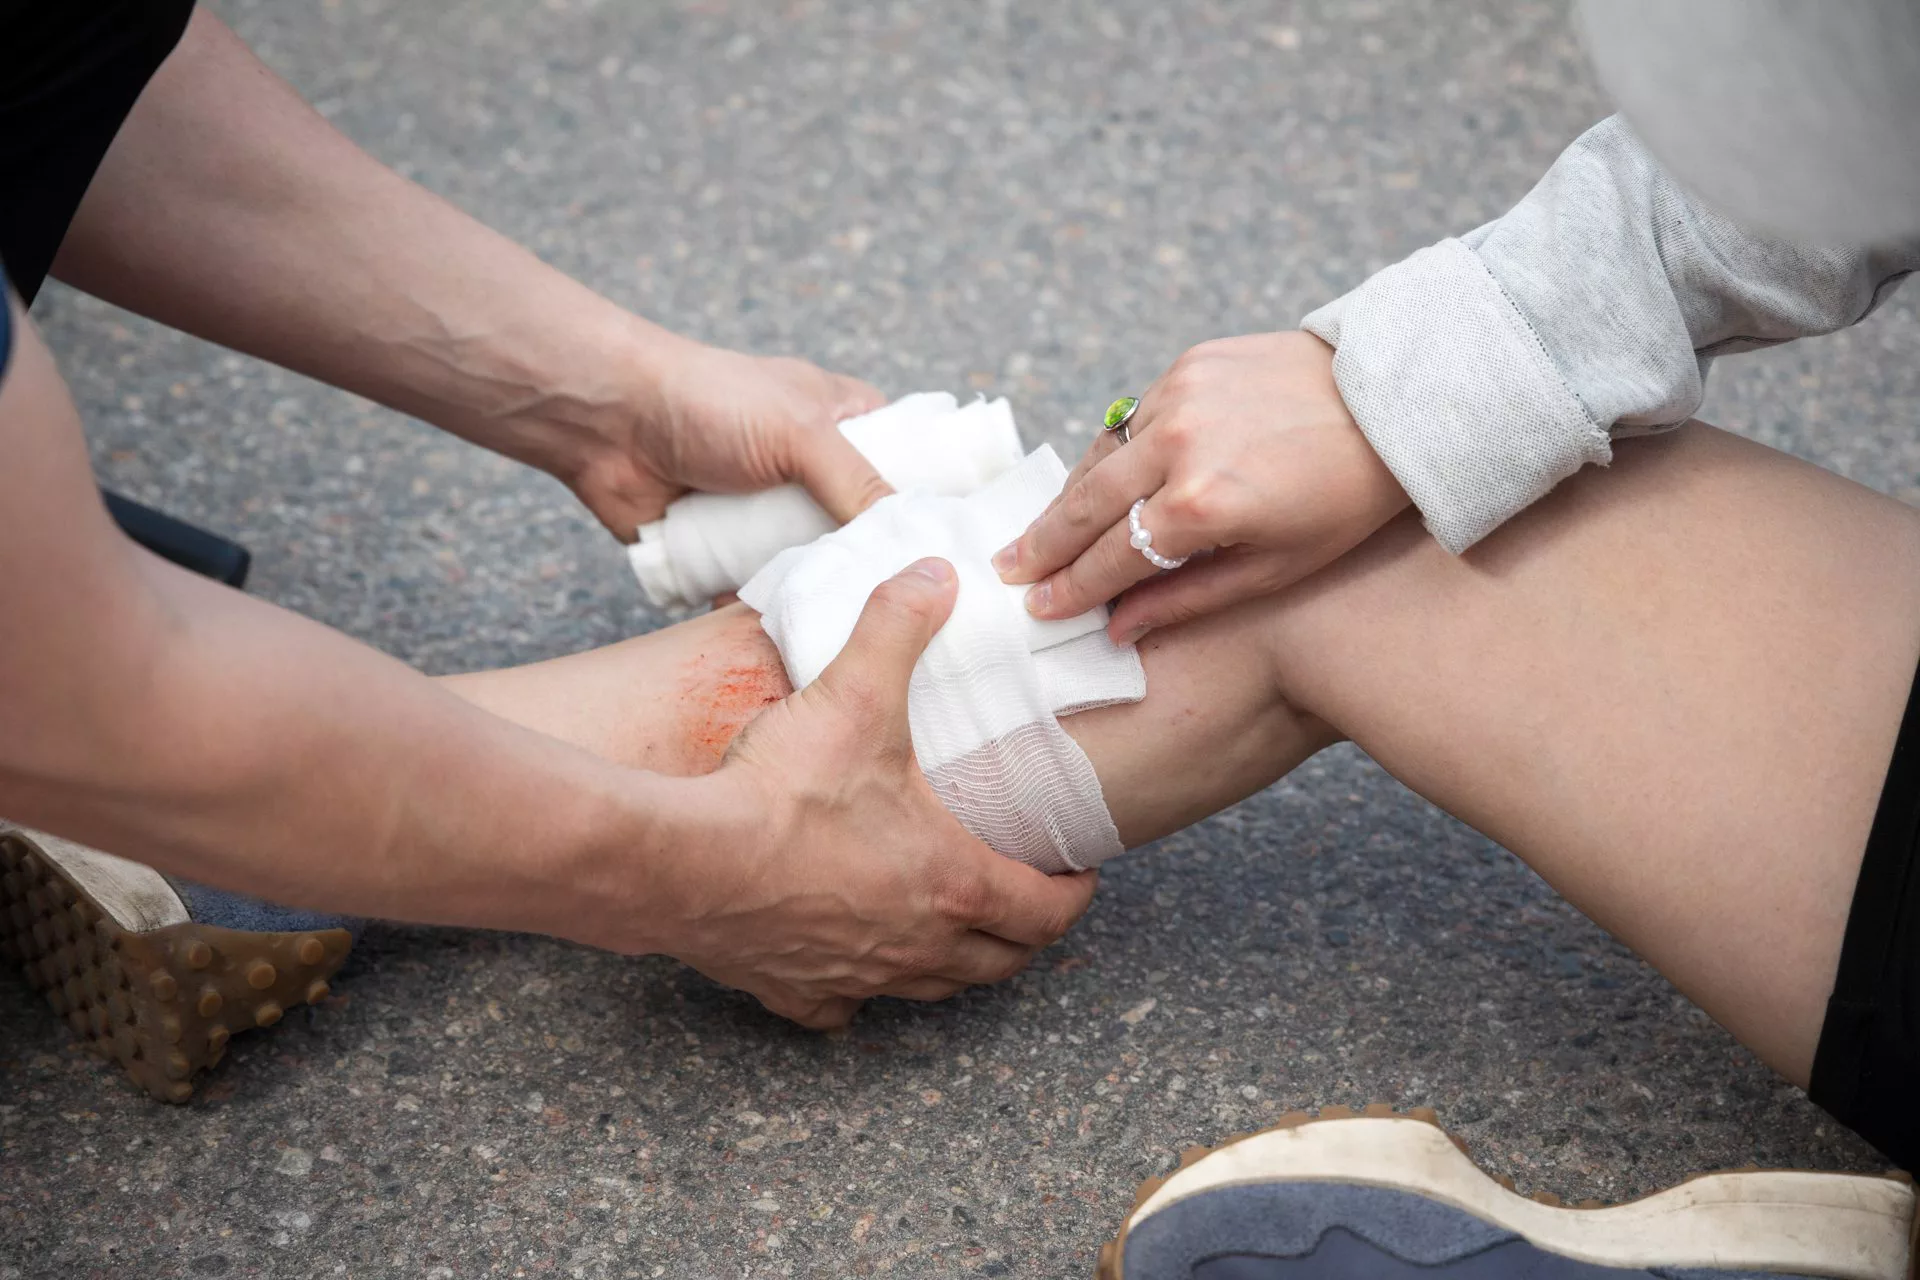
{"x": 1119, "y": 414}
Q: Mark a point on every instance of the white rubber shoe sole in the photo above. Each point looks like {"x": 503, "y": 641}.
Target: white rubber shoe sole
{"x": 1279, "y": 1194}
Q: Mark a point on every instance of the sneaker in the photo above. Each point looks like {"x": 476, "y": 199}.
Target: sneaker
{"x": 152, "y": 973}
{"x": 1384, "y": 1196}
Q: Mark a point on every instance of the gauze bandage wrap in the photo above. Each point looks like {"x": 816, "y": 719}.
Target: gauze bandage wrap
{"x": 709, "y": 544}
{"x": 985, "y": 696}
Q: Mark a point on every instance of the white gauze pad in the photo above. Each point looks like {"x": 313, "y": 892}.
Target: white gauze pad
{"x": 984, "y": 697}
{"x": 709, "y": 543}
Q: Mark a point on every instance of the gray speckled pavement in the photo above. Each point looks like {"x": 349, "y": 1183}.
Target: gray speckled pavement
{"x": 1046, "y": 200}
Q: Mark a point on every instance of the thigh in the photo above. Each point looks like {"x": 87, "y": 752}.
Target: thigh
{"x": 1672, "y": 687}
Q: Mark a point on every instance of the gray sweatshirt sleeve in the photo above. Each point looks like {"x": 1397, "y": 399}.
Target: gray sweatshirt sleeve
{"x": 1485, "y": 370}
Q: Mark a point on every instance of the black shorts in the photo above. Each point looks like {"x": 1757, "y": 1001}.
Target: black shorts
{"x": 70, "y": 72}
{"x": 1868, "y": 1062}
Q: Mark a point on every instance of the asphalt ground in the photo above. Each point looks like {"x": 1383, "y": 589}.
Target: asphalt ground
{"x": 1043, "y": 201}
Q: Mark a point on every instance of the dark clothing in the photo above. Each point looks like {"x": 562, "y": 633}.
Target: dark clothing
{"x": 1869, "y": 1054}
{"x": 70, "y": 72}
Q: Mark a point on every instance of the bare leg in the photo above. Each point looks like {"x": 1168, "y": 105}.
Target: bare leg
{"x": 673, "y": 699}
{"x": 1672, "y": 688}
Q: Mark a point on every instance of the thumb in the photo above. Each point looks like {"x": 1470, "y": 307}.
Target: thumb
{"x": 900, "y": 618}
{"x": 836, "y": 474}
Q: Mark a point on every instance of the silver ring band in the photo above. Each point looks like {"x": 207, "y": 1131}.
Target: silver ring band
{"x": 1119, "y": 414}
{"x": 1142, "y": 541}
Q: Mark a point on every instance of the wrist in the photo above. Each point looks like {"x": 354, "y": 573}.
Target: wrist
{"x": 642, "y": 874}
{"x": 586, "y": 392}
{"x": 604, "y": 445}
{"x": 1374, "y": 492}
{"x": 604, "y": 876}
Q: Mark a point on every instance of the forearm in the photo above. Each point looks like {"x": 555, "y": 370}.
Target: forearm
{"x": 258, "y": 751}
{"x": 209, "y": 734}
{"x": 1484, "y": 370}
{"x": 230, "y": 208}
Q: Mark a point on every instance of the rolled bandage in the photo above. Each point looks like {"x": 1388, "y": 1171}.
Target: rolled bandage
{"x": 708, "y": 544}
{"x": 985, "y": 696}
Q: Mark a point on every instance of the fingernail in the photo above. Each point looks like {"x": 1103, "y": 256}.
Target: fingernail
{"x": 1134, "y": 636}
{"x": 1006, "y": 557}
{"x": 932, "y": 567}
{"x": 1039, "y": 597}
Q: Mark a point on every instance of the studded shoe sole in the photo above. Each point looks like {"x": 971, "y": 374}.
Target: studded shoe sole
{"x": 1384, "y": 1194}
{"x": 112, "y": 948}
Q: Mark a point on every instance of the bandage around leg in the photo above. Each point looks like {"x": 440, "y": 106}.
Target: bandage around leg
{"x": 708, "y": 544}
{"x": 985, "y": 696}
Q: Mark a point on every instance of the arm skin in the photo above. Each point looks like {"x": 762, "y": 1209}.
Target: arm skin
{"x": 229, "y": 208}
{"x": 150, "y": 711}
{"x": 211, "y": 735}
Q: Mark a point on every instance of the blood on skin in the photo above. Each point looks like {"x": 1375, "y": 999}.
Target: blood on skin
{"x": 722, "y": 695}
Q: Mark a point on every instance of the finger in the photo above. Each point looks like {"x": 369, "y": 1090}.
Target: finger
{"x": 929, "y": 990}
{"x": 856, "y": 398}
{"x": 1014, "y": 902}
{"x": 981, "y": 959}
{"x": 1085, "y": 510}
{"x": 1206, "y": 586}
{"x": 900, "y": 617}
{"x": 823, "y": 1014}
{"x": 1105, "y": 442}
{"x": 1103, "y": 571}
{"x": 836, "y": 474}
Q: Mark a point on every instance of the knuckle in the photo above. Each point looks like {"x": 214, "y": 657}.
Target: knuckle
{"x": 1055, "y": 923}
{"x": 1189, "y": 369}
{"x": 893, "y": 596}
{"x": 1069, "y": 585}
{"x": 1064, "y": 913}
{"x": 1191, "y": 502}
{"x": 1077, "y": 504}
{"x": 902, "y": 601}
{"x": 1115, "y": 561}
{"x": 960, "y": 898}
{"x": 1176, "y": 431}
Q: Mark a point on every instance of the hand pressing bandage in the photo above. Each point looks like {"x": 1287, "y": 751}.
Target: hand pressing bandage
{"x": 708, "y": 544}
{"x": 985, "y": 697}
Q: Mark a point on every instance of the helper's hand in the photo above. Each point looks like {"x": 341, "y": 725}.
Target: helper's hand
{"x": 833, "y": 873}
{"x": 1243, "y": 449}
{"x": 724, "y": 422}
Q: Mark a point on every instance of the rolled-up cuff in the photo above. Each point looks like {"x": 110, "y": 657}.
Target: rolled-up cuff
{"x": 1455, "y": 392}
